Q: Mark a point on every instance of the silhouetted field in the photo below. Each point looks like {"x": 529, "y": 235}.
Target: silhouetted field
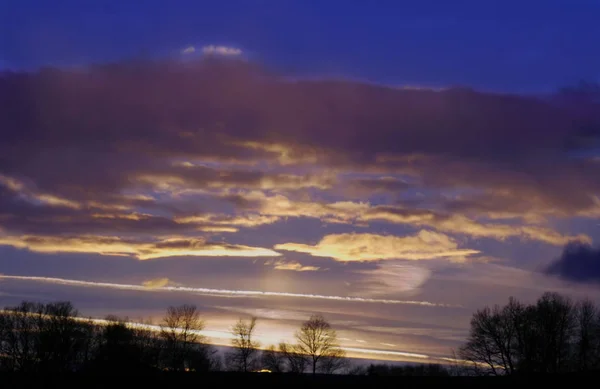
{"x": 259, "y": 380}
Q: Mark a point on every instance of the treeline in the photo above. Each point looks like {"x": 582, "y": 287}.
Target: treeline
{"x": 553, "y": 335}
{"x": 40, "y": 338}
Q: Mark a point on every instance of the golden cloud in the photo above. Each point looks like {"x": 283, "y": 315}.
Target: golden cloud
{"x": 108, "y": 245}
{"x": 218, "y": 221}
{"x": 156, "y": 283}
{"x": 293, "y": 266}
{"x": 372, "y": 247}
{"x": 279, "y": 205}
{"x": 361, "y": 213}
{"x": 463, "y": 225}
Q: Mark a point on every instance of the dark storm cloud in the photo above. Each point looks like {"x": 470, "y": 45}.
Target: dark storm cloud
{"x": 579, "y": 262}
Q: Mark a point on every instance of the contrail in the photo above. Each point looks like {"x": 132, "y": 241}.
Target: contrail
{"x": 219, "y": 292}
{"x": 386, "y": 352}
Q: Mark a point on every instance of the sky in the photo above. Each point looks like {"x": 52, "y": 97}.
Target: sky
{"x": 392, "y": 167}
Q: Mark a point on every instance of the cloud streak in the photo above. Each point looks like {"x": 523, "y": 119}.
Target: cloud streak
{"x": 111, "y": 245}
{"x": 219, "y": 292}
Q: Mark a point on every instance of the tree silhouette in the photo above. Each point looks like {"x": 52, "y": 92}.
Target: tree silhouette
{"x": 244, "y": 356}
{"x": 553, "y": 335}
{"x": 588, "y": 336}
{"x": 41, "y": 337}
{"x": 318, "y": 341}
{"x": 121, "y": 348}
{"x": 180, "y": 331}
{"x": 295, "y": 359}
{"x": 273, "y": 360}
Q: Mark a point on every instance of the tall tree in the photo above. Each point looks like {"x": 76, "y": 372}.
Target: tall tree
{"x": 490, "y": 341}
{"x": 181, "y": 331}
{"x": 245, "y": 353}
{"x": 318, "y": 340}
{"x": 588, "y": 336}
{"x": 555, "y": 320}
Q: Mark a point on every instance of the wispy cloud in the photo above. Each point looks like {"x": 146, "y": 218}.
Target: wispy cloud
{"x": 188, "y": 50}
{"x": 218, "y": 292}
{"x": 393, "y": 277}
{"x": 106, "y": 245}
{"x": 221, "y": 50}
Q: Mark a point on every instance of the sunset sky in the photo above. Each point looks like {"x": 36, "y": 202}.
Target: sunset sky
{"x": 394, "y": 166}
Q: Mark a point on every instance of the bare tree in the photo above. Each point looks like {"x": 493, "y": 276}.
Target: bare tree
{"x": 60, "y": 336}
{"x": 588, "y": 336}
{"x": 536, "y": 338}
{"x": 555, "y": 320}
{"x": 41, "y": 337}
{"x": 296, "y": 361}
{"x": 18, "y": 344}
{"x": 318, "y": 341}
{"x": 273, "y": 360}
{"x": 491, "y": 340}
{"x": 180, "y": 330}
{"x": 334, "y": 362}
{"x": 245, "y": 353}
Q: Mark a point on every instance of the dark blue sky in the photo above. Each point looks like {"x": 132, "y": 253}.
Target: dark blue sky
{"x": 512, "y": 45}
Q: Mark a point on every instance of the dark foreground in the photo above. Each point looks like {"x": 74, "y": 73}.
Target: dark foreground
{"x": 262, "y": 380}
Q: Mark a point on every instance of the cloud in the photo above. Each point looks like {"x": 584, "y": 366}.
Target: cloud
{"x": 227, "y": 221}
{"x": 371, "y": 247}
{"x": 391, "y": 278}
{"x": 110, "y": 245}
{"x": 155, "y": 149}
{"x": 220, "y": 292}
{"x": 362, "y": 213}
{"x": 189, "y": 176}
{"x": 221, "y": 50}
{"x": 457, "y": 223}
{"x": 156, "y": 283}
{"x": 370, "y": 185}
{"x": 294, "y": 266}
{"x": 188, "y": 50}
{"x": 579, "y": 262}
